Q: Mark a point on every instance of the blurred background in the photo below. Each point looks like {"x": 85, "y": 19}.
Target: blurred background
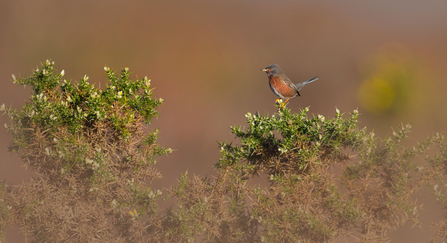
{"x": 386, "y": 58}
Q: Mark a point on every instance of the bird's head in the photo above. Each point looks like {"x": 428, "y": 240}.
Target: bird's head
{"x": 272, "y": 70}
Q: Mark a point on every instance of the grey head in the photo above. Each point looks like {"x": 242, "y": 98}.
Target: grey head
{"x": 273, "y": 70}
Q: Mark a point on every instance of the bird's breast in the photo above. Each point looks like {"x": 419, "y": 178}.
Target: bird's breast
{"x": 280, "y": 88}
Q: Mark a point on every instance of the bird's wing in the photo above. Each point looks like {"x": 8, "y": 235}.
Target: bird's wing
{"x": 289, "y": 83}
{"x": 301, "y": 85}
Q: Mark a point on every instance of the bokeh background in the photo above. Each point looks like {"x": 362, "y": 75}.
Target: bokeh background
{"x": 386, "y": 58}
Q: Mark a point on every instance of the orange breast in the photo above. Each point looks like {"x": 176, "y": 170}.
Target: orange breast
{"x": 281, "y": 89}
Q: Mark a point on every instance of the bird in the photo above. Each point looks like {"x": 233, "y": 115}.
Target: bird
{"x": 281, "y": 85}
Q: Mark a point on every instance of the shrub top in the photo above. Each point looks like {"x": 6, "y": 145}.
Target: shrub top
{"x": 70, "y": 127}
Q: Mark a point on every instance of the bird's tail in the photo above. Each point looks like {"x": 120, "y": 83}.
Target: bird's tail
{"x": 301, "y": 85}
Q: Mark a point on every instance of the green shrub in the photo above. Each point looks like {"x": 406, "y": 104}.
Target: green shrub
{"x": 307, "y": 200}
{"x": 92, "y": 155}
{"x": 329, "y": 179}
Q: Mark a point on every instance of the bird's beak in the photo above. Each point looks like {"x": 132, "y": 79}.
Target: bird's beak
{"x": 264, "y": 69}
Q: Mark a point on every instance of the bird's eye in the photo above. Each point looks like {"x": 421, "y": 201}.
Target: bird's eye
{"x": 271, "y": 69}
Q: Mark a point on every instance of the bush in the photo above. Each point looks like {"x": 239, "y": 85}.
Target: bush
{"x": 329, "y": 179}
{"x": 92, "y": 156}
{"x": 306, "y": 200}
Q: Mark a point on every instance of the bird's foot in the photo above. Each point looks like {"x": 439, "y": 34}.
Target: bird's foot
{"x": 280, "y": 104}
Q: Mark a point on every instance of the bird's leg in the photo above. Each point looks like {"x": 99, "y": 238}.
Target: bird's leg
{"x": 284, "y": 103}
{"x": 280, "y": 103}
